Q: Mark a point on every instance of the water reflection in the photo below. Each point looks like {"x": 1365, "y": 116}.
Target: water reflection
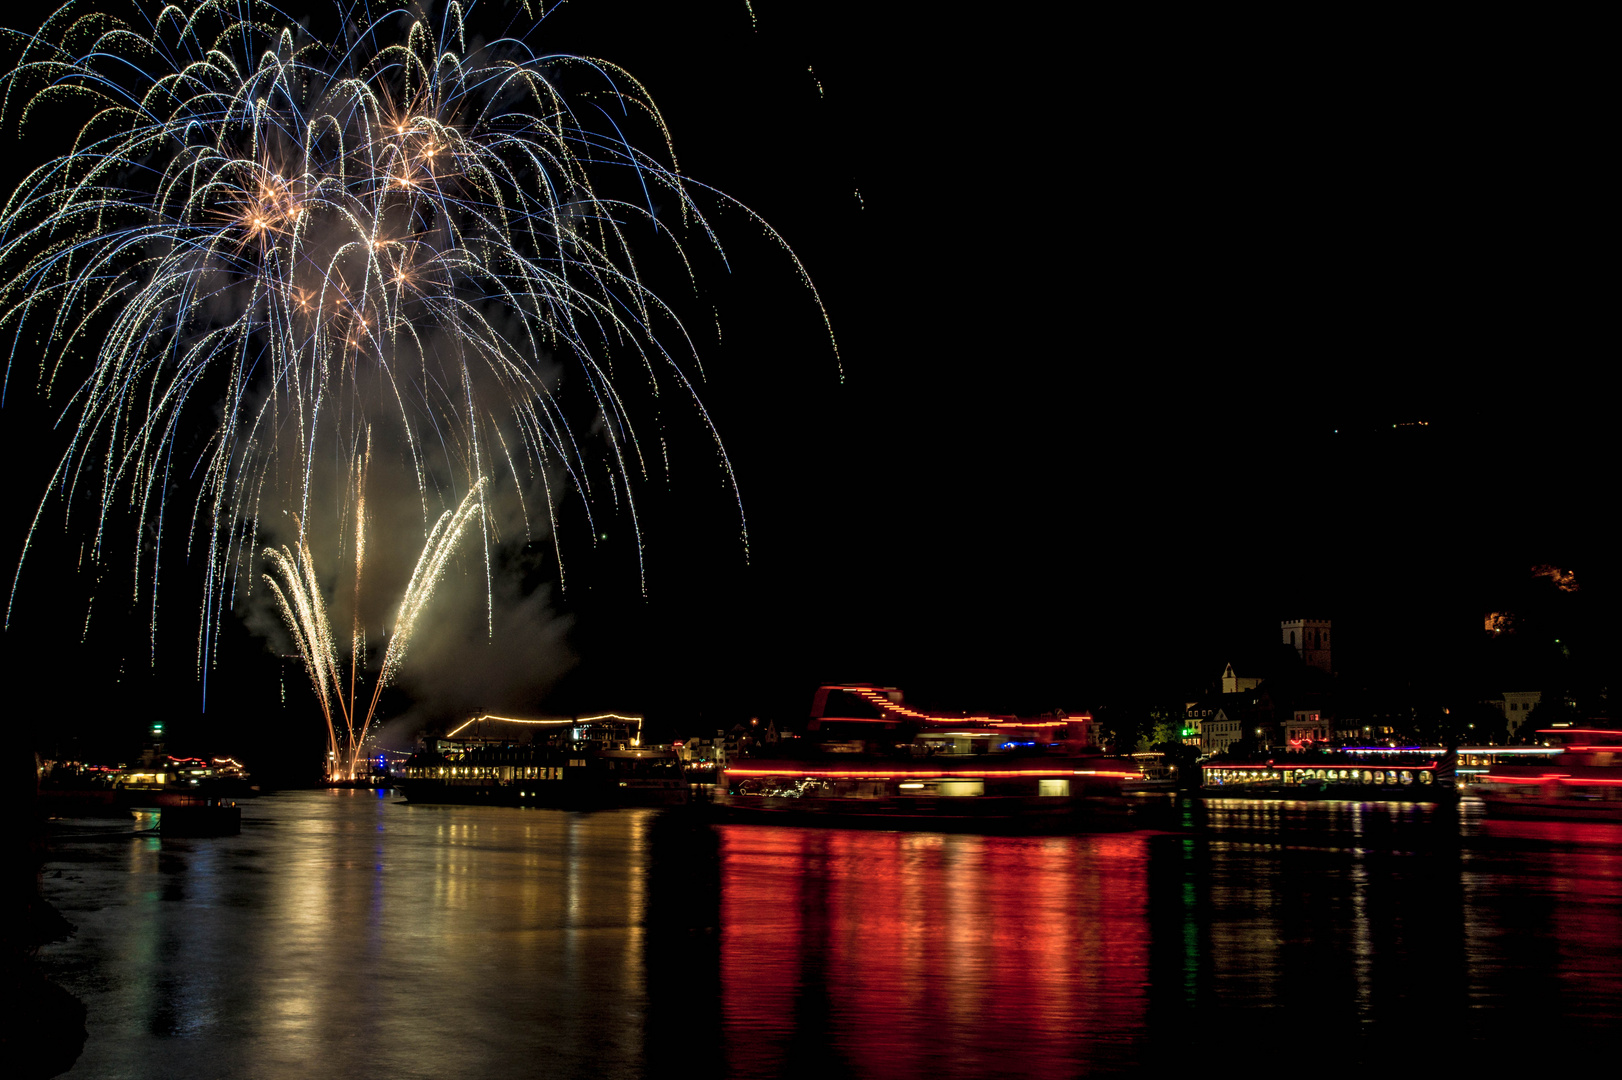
{"x": 353, "y": 935}
{"x": 1543, "y": 911}
{"x": 904, "y": 954}
{"x": 345, "y": 934}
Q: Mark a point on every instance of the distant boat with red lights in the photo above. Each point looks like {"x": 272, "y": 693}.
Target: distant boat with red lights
{"x": 75, "y": 789}
{"x": 1583, "y": 781}
{"x": 871, "y": 760}
{"x": 1387, "y": 773}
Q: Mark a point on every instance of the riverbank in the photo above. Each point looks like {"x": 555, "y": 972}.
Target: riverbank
{"x": 42, "y": 1031}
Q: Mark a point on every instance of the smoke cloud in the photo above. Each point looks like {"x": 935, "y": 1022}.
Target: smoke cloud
{"x": 490, "y": 637}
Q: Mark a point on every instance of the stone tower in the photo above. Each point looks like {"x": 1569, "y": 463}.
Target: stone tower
{"x": 1310, "y": 640}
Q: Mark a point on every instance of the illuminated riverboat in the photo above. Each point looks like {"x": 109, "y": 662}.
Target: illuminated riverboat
{"x": 568, "y": 763}
{"x": 1039, "y": 792}
{"x": 1475, "y": 762}
{"x": 74, "y": 789}
{"x": 1408, "y": 773}
{"x": 1580, "y": 778}
{"x": 871, "y": 759}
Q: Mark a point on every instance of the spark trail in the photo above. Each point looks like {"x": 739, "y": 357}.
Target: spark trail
{"x": 298, "y": 593}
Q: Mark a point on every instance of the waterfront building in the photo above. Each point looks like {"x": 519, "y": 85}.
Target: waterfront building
{"x": 1309, "y": 726}
{"x": 1517, "y": 705}
{"x": 1234, "y": 683}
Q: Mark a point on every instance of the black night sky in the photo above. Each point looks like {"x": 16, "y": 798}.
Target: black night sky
{"x": 1138, "y": 320}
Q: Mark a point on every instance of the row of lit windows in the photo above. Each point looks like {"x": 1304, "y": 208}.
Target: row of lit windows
{"x": 1300, "y": 776}
{"x": 464, "y": 772}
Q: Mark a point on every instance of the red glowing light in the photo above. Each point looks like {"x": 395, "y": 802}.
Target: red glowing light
{"x": 934, "y": 774}
{"x": 1559, "y": 778}
{"x": 1577, "y": 731}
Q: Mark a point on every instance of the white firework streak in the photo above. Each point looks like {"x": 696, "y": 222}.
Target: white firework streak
{"x": 430, "y": 568}
{"x": 306, "y": 617}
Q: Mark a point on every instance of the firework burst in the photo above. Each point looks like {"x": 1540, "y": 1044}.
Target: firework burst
{"x": 291, "y": 241}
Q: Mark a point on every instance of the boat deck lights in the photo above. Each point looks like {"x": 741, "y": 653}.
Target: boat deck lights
{"x": 557, "y": 721}
{"x": 507, "y": 720}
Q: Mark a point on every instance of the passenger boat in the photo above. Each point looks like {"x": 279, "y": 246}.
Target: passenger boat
{"x": 1012, "y": 792}
{"x": 1582, "y": 781}
{"x": 566, "y": 763}
{"x": 1407, "y": 773}
{"x": 73, "y": 789}
{"x": 870, "y": 759}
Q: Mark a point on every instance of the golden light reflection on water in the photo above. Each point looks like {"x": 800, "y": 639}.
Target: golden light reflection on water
{"x": 370, "y": 937}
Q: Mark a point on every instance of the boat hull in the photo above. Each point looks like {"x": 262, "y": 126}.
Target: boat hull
{"x": 1349, "y": 793}
{"x": 1018, "y": 814}
{"x": 553, "y": 775}
{"x": 551, "y": 795}
{"x": 1000, "y": 792}
{"x": 1510, "y": 804}
{"x": 199, "y": 819}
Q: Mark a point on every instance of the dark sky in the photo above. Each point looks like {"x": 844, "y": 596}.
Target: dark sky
{"x": 1127, "y": 311}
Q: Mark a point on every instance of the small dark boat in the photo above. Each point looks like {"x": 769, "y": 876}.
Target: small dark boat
{"x": 203, "y": 817}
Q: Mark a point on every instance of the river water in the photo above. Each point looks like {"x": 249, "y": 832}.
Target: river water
{"x": 348, "y": 934}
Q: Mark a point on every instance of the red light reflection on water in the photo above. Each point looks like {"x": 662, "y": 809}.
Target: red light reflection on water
{"x": 1542, "y": 902}
{"x": 1598, "y": 834}
{"x": 921, "y": 954}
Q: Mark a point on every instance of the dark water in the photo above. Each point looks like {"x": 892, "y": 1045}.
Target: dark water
{"x": 343, "y": 934}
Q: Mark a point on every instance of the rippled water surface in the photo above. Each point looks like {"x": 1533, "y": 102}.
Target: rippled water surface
{"x": 346, "y": 934}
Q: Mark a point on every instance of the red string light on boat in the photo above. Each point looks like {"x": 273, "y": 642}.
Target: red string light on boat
{"x": 1354, "y": 767}
{"x": 890, "y": 774}
{"x": 1578, "y": 731}
{"x": 891, "y": 711}
{"x": 1559, "y": 778}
